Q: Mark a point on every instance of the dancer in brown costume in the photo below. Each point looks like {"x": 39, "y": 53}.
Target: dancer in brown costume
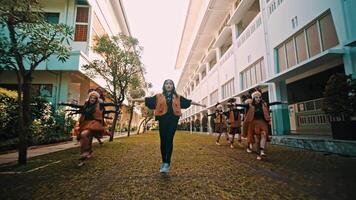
{"x": 91, "y": 125}
{"x": 234, "y": 121}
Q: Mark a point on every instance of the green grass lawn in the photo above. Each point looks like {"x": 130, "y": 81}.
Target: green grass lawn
{"x": 128, "y": 168}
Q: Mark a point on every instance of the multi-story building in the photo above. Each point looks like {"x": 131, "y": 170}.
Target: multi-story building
{"x": 89, "y": 18}
{"x": 288, "y": 48}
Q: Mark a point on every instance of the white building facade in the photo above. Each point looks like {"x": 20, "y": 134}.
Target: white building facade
{"x": 288, "y": 48}
{"x": 67, "y": 81}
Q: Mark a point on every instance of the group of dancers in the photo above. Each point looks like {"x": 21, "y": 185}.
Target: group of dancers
{"x": 254, "y": 125}
{"x": 167, "y": 110}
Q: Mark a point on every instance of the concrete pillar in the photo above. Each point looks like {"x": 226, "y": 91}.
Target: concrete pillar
{"x": 210, "y": 129}
{"x": 84, "y": 87}
{"x": 63, "y": 87}
{"x": 280, "y": 113}
{"x": 190, "y": 124}
{"x": 350, "y": 61}
{"x": 234, "y": 33}
{"x": 218, "y": 54}
{"x": 207, "y": 67}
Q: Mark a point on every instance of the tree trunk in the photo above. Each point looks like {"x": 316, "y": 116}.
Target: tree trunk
{"x": 24, "y": 120}
{"x": 130, "y": 120}
{"x": 145, "y": 124}
{"x": 114, "y": 122}
{"x": 139, "y": 127}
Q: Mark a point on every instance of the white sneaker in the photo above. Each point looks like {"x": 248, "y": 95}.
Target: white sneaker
{"x": 263, "y": 153}
{"x": 259, "y": 158}
{"x": 232, "y": 146}
{"x": 164, "y": 168}
{"x": 248, "y": 150}
{"x": 217, "y": 143}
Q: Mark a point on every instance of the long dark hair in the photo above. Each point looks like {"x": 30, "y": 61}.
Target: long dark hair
{"x": 165, "y": 92}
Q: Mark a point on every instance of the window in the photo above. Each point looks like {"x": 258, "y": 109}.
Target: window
{"x": 328, "y": 32}
{"x": 313, "y": 40}
{"x": 258, "y": 72}
{"x": 254, "y": 74}
{"x": 214, "y": 97}
{"x": 307, "y": 42}
{"x": 81, "y": 25}
{"x": 281, "y": 59}
{"x": 52, "y": 18}
{"x": 263, "y": 70}
{"x": 301, "y": 47}
{"x": 248, "y": 74}
{"x": 291, "y": 60}
{"x": 228, "y": 89}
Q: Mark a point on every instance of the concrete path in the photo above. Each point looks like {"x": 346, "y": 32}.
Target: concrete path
{"x": 45, "y": 149}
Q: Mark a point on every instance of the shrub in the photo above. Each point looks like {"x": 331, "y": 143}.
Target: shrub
{"x": 48, "y": 126}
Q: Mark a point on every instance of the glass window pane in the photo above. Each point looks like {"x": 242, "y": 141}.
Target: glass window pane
{"x": 258, "y": 72}
{"x": 263, "y": 70}
{"x": 253, "y": 75}
{"x": 328, "y": 32}
{"x": 313, "y": 40}
{"x": 82, "y": 14}
{"x": 301, "y": 47}
{"x": 81, "y": 32}
{"x": 52, "y": 18}
{"x": 290, "y": 53}
{"x": 244, "y": 77}
{"x": 248, "y": 77}
{"x": 281, "y": 59}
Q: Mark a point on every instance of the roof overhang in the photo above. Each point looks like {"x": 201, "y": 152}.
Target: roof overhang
{"x": 239, "y": 12}
{"x": 196, "y": 40}
{"x": 225, "y": 34}
{"x": 307, "y": 65}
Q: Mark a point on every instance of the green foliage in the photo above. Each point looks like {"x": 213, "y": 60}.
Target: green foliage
{"x": 120, "y": 65}
{"x": 8, "y": 114}
{"x": 340, "y": 96}
{"x": 48, "y": 125}
{"x": 26, "y": 37}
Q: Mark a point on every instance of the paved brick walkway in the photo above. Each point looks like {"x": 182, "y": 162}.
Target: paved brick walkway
{"x": 128, "y": 169}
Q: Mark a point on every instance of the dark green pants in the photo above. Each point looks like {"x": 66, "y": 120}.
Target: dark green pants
{"x": 167, "y": 129}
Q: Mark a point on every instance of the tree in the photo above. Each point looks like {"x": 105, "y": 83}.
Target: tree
{"x": 119, "y": 67}
{"x": 148, "y": 115}
{"x": 340, "y": 96}
{"x": 26, "y": 40}
{"x": 137, "y": 91}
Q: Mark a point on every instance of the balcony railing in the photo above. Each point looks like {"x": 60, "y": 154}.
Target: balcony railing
{"x": 237, "y": 3}
{"x": 224, "y": 24}
{"x": 250, "y": 29}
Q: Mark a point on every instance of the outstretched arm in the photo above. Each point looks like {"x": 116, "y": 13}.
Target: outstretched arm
{"x": 277, "y": 103}
{"x": 138, "y": 100}
{"x": 198, "y": 104}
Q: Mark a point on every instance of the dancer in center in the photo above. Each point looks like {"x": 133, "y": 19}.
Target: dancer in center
{"x": 167, "y": 110}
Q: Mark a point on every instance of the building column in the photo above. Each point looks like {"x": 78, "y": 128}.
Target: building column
{"x": 280, "y": 113}
{"x": 350, "y": 61}
{"x": 210, "y": 129}
{"x": 63, "y": 87}
{"x": 190, "y": 124}
{"x": 84, "y": 87}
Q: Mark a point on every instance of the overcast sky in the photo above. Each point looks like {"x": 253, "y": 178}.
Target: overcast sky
{"x": 158, "y": 25}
